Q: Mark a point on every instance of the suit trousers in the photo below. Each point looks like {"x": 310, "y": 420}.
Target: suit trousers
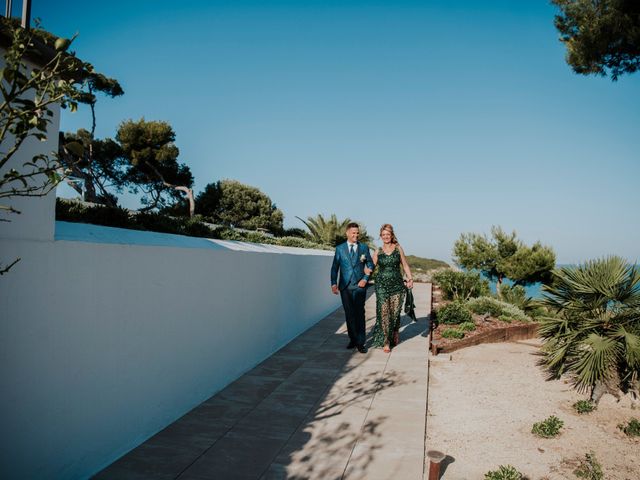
{"x": 353, "y": 298}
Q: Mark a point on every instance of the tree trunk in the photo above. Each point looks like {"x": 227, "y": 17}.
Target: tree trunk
{"x": 499, "y": 287}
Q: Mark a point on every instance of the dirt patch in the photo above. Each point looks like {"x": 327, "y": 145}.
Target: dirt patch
{"x": 484, "y": 400}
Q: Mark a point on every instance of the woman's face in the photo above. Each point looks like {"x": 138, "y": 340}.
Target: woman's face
{"x": 386, "y": 236}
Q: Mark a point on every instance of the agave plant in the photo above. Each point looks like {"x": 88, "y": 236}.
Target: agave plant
{"x": 595, "y": 335}
{"x": 331, "y": 231}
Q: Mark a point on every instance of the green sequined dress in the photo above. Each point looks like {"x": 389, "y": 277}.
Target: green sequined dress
{"x": 390, "y": 291}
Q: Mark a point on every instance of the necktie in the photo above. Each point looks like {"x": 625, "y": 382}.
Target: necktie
{"x": 353, "y": 251}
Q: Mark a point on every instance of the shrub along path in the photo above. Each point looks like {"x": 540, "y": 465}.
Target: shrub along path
{"x": 313, "y": 410}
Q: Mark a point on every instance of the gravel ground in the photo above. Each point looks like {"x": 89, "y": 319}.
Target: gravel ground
{"x": 484, "y": 400}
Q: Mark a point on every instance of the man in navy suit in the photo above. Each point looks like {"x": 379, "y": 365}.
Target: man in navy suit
{"x": 349, "y": 260}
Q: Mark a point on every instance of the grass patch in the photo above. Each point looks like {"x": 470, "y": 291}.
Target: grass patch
{"x": 584, "y": 406}
{"x": 632, "y": 428}
{"x": 589, "y": 468}
{"x": 452, "y": 333}
{"x": 548, "y": 428}
{"x": 504, "y": 472}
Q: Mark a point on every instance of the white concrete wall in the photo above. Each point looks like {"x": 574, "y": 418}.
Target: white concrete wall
{"x": 37, "y": 215}
{"x": 103, "y": 344}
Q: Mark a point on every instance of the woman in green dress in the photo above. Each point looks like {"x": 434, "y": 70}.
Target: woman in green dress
{"x": 390, "y": 289}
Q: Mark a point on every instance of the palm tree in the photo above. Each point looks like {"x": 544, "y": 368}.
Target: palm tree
{"x": 595, "y": 335}
{"x": 331, "y": 231}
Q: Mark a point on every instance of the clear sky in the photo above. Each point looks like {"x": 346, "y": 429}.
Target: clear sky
{"x": 439, "y": 117}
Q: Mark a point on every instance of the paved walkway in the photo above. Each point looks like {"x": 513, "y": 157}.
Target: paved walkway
{"x": 313, "y": 410}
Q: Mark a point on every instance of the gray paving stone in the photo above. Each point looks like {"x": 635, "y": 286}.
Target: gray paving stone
{"x": 313, "y": 410}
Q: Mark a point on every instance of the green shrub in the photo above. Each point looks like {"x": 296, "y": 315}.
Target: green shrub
{"x": 496, "y": 308}
{"x": 589, "y": 468}
{"x": 467, "y": 326}
{"x": 548, "y": 428}
{"x": 454, "y": 313}
{"x": 584, "y": 406}
{"x": 505, "y": 318}
{"x": 632, "y": 429}
{"x": 461, "y": 285}
{"x": 74, "y": 211}
{"x": 504, "y": 472}
{"x": 452, "y": 333}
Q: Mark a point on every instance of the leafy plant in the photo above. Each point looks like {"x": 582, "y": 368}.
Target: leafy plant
{"x": 632, "y": 428}
{"x": 595, "y": 333}
{"x": 467, "y": 326}
{"x": 504, "y": 256}
{"x": 505, "y": 318}
{"x": 496, "y": 308}
{"x": 452, "y": 333}
{"x": 454, "y": 313}
{"x": 504, "y": 472}
{"x": 584, "y": 406}
{"x": 548, "y": 428}
{"x": 461, "y": 285}
{"x": 589, "y": 468}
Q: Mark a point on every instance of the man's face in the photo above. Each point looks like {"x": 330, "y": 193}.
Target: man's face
{"x": 352, "y": 234}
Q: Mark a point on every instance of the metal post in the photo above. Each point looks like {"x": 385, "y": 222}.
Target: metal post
{"x": 7, "y": 10}
{"x": 26, "y": 14}
{"x": 435, "y": 457}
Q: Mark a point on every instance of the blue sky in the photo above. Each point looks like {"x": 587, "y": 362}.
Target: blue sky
{"x": 439, "y": 117}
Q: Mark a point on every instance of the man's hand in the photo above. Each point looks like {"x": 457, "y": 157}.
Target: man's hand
{"x": 362, "y": 283}
{"x": 367, "y": 271}
{"x": 334, "y": 289}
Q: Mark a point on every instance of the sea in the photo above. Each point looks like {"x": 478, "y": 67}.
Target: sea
{"x": 534, "y": 290}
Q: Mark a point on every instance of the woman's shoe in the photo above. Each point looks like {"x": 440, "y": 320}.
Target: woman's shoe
{"x": 386, "y": 349}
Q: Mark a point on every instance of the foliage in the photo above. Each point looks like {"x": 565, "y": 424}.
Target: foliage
{"x": 153, "y": 166}
{"x": 504, "y": 472}
{"x": 331, "y": 231}
{"x": 420, "y": 264}
{"x": 496, "y": 308}
{"x": 234, "y": 204}
{"x": 584, "y": 406}
{"x": 295, "y": 232}
{"x": 460, "y": 285}
{"x": 601, "y": 37}
{"x": 517, "y": 295}
{"x": 73, "y": 211}
{"x": 28, "y": 97}
{"x": 632, "y": 428}
{"x": 589, "y": 468}
{"x": 452, "y": 333}
{"x": 595, "y": 335}
{"x": 548, "y": 428}
{"x": 504, "y": 256}
{"x": 454, "y": 313}
{"x": 467, "y": 326}
{"x": 99, "y": 164}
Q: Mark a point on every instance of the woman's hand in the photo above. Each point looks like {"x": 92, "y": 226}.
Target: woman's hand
{"x": 367, "y": 271}
{"x": 409, "y": 283}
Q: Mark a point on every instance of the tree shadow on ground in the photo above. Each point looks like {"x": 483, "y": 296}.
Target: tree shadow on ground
{"x": 340, "y": 435}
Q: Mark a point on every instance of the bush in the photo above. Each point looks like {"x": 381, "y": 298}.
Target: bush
{"x": 452, "y": 333}
{"x": 467, "y": 326}
{"x": 589, "y": 468}
{"x": 504, "y": 472}
{"x": 631, "y": 429}
{"x": 548, "y": 428}
{"x": 454, "y": 313}
{"x": 584, "y": 406}
{"x": 74, "y": 211}
{"x": 496, "y": 308}
{"x": 461, "y": 285}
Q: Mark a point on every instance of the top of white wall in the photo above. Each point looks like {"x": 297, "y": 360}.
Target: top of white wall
{"x": 83, "y": 232}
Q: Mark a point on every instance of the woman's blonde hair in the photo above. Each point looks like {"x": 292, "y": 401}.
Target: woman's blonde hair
{"x": 389, "y": 228}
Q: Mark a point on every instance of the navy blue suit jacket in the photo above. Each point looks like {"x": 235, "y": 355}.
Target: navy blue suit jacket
{"x": 351, "y": 271}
